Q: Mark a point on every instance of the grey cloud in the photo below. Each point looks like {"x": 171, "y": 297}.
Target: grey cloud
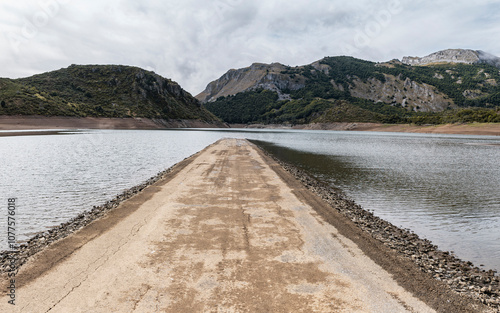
{"x": 195, "y": 41}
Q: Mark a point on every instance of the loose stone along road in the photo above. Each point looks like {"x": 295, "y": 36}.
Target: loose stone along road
{"x": 223, "y": 233}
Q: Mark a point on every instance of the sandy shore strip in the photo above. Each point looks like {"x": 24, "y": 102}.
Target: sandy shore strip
{"x": 483, "y": 129}
{"x": 228, "y": 230}
{"x": 58, "y": 122}
{"x": 64, "y": 123}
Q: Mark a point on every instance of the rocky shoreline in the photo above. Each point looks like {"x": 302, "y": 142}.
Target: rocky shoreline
{"x": 461, "y": 276}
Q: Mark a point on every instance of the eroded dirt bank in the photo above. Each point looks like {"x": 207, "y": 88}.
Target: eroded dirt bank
{"x": 487, "y": 129}
{"x": 228, "y": 230}
{"x": 41, "y": 122}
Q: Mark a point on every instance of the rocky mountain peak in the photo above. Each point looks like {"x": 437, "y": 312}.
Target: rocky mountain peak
{"x": 454, "y": 56}
{"x": 257, "y": 75}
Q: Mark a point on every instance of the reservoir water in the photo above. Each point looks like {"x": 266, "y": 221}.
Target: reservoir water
{"x": 443, "y": 187}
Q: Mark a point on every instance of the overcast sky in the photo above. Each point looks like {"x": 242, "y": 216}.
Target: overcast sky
{"x": 196, "y": 41}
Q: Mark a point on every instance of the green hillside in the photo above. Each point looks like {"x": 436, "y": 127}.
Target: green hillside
{"x": 263, "y": 106}
{"x": 99, "y": 91}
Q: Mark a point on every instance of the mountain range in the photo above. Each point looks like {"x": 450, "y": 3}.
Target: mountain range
{"x": 432, "y": 89}
{"x": 455, "y": 85}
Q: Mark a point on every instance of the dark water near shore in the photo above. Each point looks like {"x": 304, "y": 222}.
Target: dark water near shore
{"x": 444, "y": 187}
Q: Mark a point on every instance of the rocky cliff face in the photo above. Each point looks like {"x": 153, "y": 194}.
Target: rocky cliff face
{"x": 398, "y": 90}
{"x": 258, "y": 75}
{"x": 454, "y": 56}
{"x": 147, "y": 83}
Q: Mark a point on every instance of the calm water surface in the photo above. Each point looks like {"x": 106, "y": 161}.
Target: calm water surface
{"x": 443, "y": 187}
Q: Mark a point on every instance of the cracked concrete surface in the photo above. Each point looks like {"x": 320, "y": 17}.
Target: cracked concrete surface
{"x": 223, "y": 234}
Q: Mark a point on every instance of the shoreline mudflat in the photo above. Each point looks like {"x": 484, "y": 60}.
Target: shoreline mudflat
{"x": 30, "y": 123}
{"x": 227, "y": 230}
{"x": 486, "y": 129}
{"x": 55, "y": 122}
